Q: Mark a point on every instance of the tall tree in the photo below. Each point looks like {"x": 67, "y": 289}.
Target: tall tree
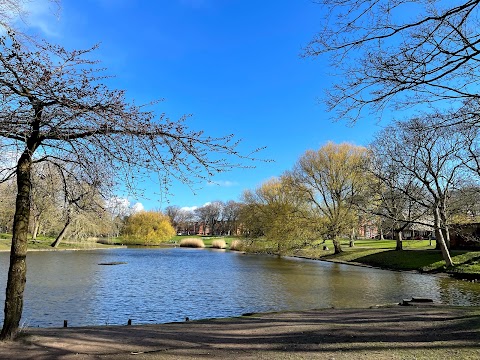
{"x": 56, "y": 109}
{"x": 275, "y": 210}
{"x": 175, "y": 214}
{"x": 402, "y": 53}
{"x": 333, "y": 180}
{"x": 45, "y": 202}
{"x": 231, "y": 213}
{"x": 80, "y": 196}
{"x": 7, "y": 205}
{"x": 396, "y": 196}
{"x": 210, "y": 214}
{"x": 430, "y": 155}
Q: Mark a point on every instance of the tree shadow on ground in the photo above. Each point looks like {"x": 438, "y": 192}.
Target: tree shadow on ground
{"x": 313, "y": 332}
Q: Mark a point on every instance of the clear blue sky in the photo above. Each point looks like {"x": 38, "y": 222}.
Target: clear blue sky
{"x": 234, "y": 64}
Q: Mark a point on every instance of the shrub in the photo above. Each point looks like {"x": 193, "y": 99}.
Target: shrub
{"x": 192, "y": 242}
{"x": 237, "y": 245}
{"x": 219, "y": 244}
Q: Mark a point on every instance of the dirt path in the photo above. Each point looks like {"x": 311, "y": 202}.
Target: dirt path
{"x": 382, "y": 333}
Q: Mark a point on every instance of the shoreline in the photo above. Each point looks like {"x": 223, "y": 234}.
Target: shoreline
{"x": 388, "y": 332}
{"x": 352, "y": 263}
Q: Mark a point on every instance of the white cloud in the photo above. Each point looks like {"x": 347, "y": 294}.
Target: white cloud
{"x": 122, "y": 206}
{"x": 40, "y": 14}
{"x": 222, "y": 183}
{"x": 193, "y": 208}
{"x": 137, "y": 207}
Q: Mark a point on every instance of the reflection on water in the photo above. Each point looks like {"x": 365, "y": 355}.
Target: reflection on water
{"x": 165, "y": 285}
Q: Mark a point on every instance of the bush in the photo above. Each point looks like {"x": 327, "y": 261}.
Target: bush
{"x": 192, "y": 243}
{"x": 219, "y": 244}
{"x": 237, "y": 245}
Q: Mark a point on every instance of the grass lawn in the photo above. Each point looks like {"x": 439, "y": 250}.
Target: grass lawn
{"x": 43, "y": 243}
{"x": 416, "y": 255}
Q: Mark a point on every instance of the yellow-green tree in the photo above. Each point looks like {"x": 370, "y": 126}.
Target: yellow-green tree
{"x": 274, "y": 210}
{"x": 148, "y": 228}
{"x": 333, "y": 181}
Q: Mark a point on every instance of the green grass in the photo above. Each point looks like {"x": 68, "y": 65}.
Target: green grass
{"x": 402, "y": 260}
{"x": 43, "y": 243}
{"x": 416, "y": 255}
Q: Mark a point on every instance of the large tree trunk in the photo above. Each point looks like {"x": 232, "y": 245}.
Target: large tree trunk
{"x": 336, "y": 245}
{"x": 17, "y": 273}
{"x": 399, "y": 239}
{"x": 61, "y": 235}
{"x": 440, "y": 239}
{"x": 36, "y": 227}
{"x": 352, "y": 238}
{"x": 445, "y": 230}
{"x": 65, "y": 228}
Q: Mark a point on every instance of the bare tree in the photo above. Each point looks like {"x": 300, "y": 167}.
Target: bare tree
{"x": 402, "y": 53}
{"x": 56, "y": 109}
{"x": 231, "y": 214}
{"x": 7, "y": 205}
{"x": 80, "y": 196}
{"x": 210, "y": 215}
{"x": 175, "y": 214}
{"x": 430, "y": 155}
{"x": 189, "y": 221}
{"x": 45, "y": 202}
{"x": 395, "y": 195}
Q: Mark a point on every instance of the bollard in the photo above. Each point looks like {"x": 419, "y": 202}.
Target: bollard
{"x": 65, "y": 323}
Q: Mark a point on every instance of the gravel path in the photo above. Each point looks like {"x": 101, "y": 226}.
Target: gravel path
{"x": 379, "y": 333}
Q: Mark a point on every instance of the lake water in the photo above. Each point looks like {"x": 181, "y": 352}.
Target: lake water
{"x": 168, "y": 284}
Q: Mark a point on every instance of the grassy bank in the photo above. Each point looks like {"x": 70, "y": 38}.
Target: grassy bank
{"x": 416, "y": 255}
{"x": 43, "y": 243}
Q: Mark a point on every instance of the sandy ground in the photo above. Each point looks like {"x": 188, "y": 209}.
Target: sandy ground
{"x": 380, "y": 333}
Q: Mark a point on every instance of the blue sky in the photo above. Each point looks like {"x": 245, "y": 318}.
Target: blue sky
{"x": 234, "y": 65}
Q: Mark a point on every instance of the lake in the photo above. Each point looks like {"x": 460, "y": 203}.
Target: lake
{"x": 158, "y": 285}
